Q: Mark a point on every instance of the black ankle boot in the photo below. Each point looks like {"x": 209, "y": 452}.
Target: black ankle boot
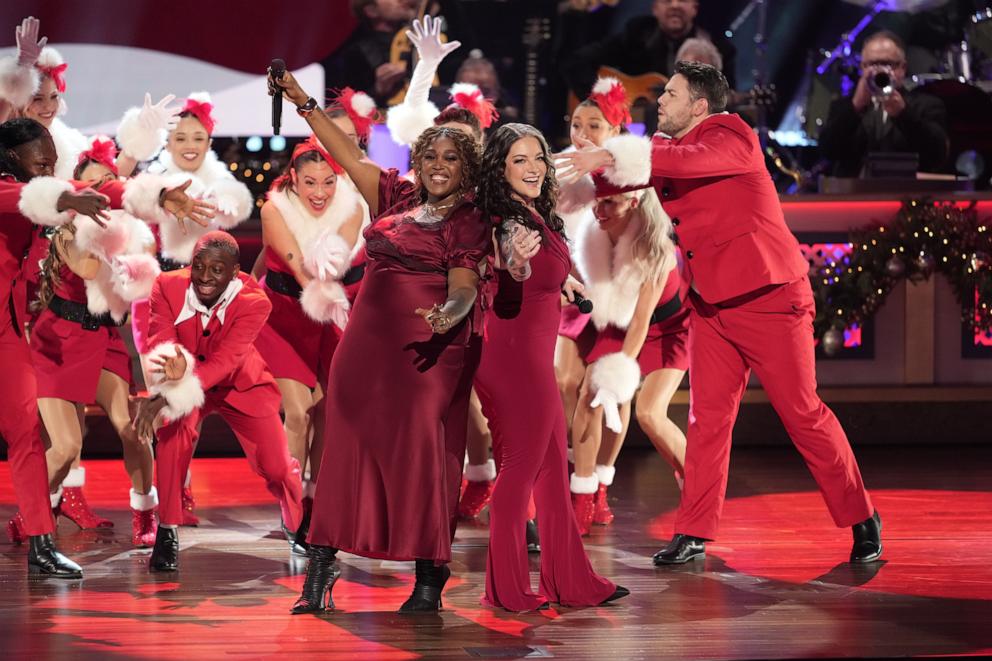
{"x": 533, "y": 539}
{"x": 45, "y": 559}
{"x": 426, "y": 596}
{"x": 165, "y": 553}
{"x": 322, "y": 571}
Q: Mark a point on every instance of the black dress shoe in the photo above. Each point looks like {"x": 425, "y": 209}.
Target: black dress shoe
{"x": 867, "y": 540}
{"x": 426, "y": 596}
{"x": 45, "y": 560}
{"x": 681, "y": 550}
{"x": 322, "y": 572}
{"x": 619, "y": 593}
{"x": 533, "y": 539}
{"x": 165, "y": 553}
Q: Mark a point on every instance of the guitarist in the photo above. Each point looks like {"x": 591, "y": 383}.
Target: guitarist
{"x": 363, "y": 61}
{"x": 646, "y": 44}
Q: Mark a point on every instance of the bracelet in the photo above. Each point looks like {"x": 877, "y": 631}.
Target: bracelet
{"x": 307, "y": 108}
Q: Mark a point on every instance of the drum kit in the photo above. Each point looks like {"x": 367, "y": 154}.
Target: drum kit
{"x": 963, "y": 82}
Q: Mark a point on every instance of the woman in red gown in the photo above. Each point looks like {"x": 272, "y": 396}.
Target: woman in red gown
{"x": 391, "y": 472}
{"x": 516, "y": 383}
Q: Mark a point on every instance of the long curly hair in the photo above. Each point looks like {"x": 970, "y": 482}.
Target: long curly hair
{"x": 495, "y": 194}
{"x": 468, "y": 150}
{"x": 50, "y": 276}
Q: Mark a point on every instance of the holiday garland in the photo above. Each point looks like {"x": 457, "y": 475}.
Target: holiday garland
{"x": 924, "y": 238}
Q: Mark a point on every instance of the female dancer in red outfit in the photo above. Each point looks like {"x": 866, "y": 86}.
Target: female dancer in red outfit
{"x": 417, "y": 301}
{"x": 629, "y": 267}
{"x": 310, "y": 229}
{"x": 516, "y": 383}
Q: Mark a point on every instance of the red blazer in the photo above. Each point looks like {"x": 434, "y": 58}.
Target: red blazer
{"x": 724, "y": 208}
{"x": 226, "y": 362}
{"x": 16, "y": 232}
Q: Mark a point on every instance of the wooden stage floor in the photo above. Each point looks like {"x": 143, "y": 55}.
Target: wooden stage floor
{"x": 775, "y": 585}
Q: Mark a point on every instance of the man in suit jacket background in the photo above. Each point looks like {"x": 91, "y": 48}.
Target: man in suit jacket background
{"x": 752, "y": 303}
{"x": 899, "y": 121}
{"x": 202, "y": 330}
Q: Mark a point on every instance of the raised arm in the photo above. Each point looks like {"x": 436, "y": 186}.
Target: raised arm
{"x": 362, "y": 172}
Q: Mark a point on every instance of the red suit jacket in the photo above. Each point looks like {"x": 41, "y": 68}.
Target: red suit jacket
{"x": 20, "y": 204}
{"x": 221, "y": 358}
{"x": 724, "y": 208}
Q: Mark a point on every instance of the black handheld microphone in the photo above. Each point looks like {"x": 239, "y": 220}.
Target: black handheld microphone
{"x": 277, "y": 68}
{"x": 583, "y": 303}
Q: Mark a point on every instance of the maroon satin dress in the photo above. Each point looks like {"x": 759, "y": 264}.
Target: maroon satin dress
{"x": 397, "y": 406}
{"x": 519, "y": 394}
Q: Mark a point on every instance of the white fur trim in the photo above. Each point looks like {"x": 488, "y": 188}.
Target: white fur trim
{"x": 617, "y": 373}
{"x": 407, "y": 121}
{"x": 577, "y": 196}
{"x": 17, "y": 84}
{"x": 583, "y": 484}
{"x": 183, "y": 396}
{"x": 312, "y": 232}
{"x": 325, "y": 301}
{"x": 49, "y": 58}
{"x": 604, "y": 85}
{"x": 39, "y": 201}
{"x": 611, "y": 277}
{"x": 631, "y": 160}
{"x": 234, "y": 202}
{"x": 134, "y": 276}
{"x": 141, "y": 197}
{"x": 138, "y": 141}
{"x": 104, "y": 242}
{"x": 481, "y": 472}
{"x": 69, "y": 144}
{"x": 606, "y": 474}
{"x": 55, "y": 498}
{"x": 76, "y": 477}
{"x": 143, "y": 502}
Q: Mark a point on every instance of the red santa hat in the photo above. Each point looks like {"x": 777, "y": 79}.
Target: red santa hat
{"x": 51, "y": 63}
{"x": 470, "y": 97}
{"x": 101, "y": 150}
{"x": 308, "y": 145}
{"x": 610, "y": 97}
{"x": 198, "y": 104}
{"x": 361, "y": 110}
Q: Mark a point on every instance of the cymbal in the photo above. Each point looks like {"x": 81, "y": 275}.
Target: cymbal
{"x": 911, "y": 6}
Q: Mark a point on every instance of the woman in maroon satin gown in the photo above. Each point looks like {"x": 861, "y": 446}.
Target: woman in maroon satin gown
{"x": 399, "y": 382}
{"x": 517, "y": 386}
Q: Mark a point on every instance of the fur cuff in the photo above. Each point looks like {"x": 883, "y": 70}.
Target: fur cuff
{"x": 141, "y": 198}
{"x": 76, "y": 477}
{"x": 134, "y": 276}
{"x": 234, "y": 203}
{"x": 143, "y": 502}
{"x": 482, "y": 472}
{"x": 584, "y": 484}
{"x": 17, "y": 84}
{"x": 605, "y": 474}
{"x": 104, "y": 242}
{"x": 328, "y": 257}
{"x": 631, "y": 160}
{"x": 325, "y": 301}
{"x": 406, "y": 122}
{"x": 183, "y": 396}
{"x": 40, "y": 198}
{"x": 137, "y": 140}
{"x": 55, "y": 498}
{"x": 618, "y": 373}
{"x": 577, "y": 196}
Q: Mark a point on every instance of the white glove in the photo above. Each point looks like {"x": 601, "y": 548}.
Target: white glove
{"x": 328, "y": 257}
{"x": 28, "y": 45}
{"x": 611, "y": 409}
{"x": 159, "y": 116}
{"x": 427, "y": 40}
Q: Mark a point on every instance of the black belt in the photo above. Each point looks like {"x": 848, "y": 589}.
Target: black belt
{"x": 77, "y": 313}
{"x": 283, "y": 283}
{"x": 167, "y": 264}
{"x": 667, "y": 309}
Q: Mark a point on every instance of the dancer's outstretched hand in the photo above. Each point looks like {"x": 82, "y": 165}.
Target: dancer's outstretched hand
{"x": 28, "y": 45}
{"x": 426, "y": 38}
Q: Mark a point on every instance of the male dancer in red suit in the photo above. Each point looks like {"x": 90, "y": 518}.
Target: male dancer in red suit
{"x": 202, "y": 330}
{"x": 752, "y": 304}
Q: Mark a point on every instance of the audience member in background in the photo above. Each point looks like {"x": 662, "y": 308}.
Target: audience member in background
{"x": 880, "y": 119}
{"x": 363, "y": 61}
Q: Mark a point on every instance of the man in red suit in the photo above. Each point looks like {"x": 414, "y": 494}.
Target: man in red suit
{"x": 752, "y": 304}
{"x": 202, "y": 330}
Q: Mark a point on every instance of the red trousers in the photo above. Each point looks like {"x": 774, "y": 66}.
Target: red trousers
{"x": 771, "y": 333}
{"x": 263, "y": 441}
{"x": 19, "y": 427}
